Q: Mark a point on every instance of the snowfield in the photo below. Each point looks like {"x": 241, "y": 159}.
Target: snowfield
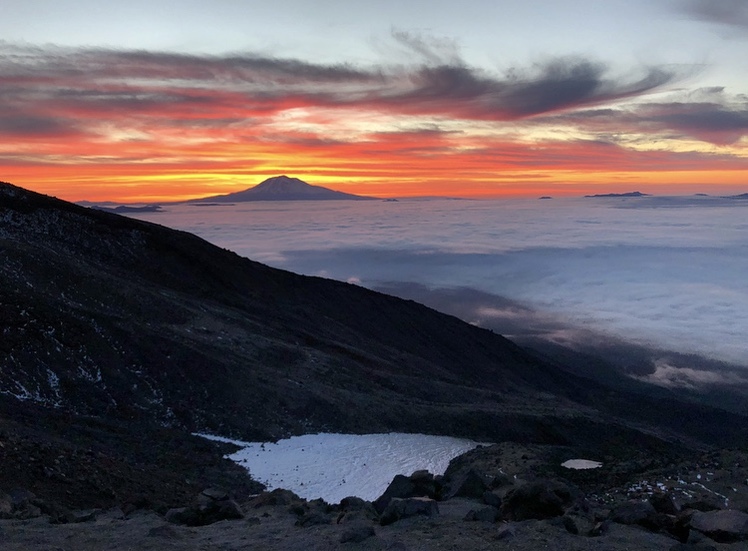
{"x": 334, "y": 466}
{"x": 581, "y": 464}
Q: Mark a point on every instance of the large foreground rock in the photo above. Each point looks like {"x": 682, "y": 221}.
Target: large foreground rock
{"x": 723, "y": 526}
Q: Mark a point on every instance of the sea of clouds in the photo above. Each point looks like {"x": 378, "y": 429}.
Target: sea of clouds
{"x": 663, "y": 273}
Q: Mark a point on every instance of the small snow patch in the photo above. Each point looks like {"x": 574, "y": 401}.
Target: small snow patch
{"x": 580, "y": 464}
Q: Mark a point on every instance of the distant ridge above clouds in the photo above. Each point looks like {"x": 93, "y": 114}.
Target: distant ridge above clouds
{"x": 627, "y": 194}
{"x": 282, "y": 188}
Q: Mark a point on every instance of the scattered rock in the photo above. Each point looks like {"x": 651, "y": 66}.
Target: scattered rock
{"x": 492, "y": 499}
{"x": 484, "y": 514}
{"x": 357, "y": 532}
{"x": 469, "y": 483}
{"x": 692, "y": 547}
{"x": 355, "y": 508}
{"x": 313, "y": 518}
{"x": 505, "y": 532}
{"x": 663, "y": 503}
{"x": 419, "y": 484}
{"x": 401, "y": 487}
{"x": 6, "y": 505}
{"x": 601, "y": 528}
{"x": 203, "y": 513}
{"x": 633, "y": 512}
{"x": 165, "y": 532}
{"x": 580, "y": 525}
{"x": 274, "y": 498}
{"x": 20, "y": 497}
{"x": 399, "y": 508}
{"x": 537, "y": 500}
{"x": 704, "y": 505}
{"x": 213, "y": 494}
{"x": 500, "y": 480}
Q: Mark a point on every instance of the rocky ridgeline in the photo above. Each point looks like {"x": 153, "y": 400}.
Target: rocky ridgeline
{"x": 479, "y": 498}
{"x": 493, "y": 493}
{"x": 22, "y": 504}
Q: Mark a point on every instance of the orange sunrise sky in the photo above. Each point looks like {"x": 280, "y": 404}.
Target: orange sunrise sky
{"x": 158, "y": 101}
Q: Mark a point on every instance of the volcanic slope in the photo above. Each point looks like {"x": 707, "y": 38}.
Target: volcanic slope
{"x": 119, "y": 319}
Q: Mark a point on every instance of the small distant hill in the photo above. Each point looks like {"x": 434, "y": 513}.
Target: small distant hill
{"x": 282, "y": 188}
{"x": 125, "y": 209}
{"x": 627, "y": 194}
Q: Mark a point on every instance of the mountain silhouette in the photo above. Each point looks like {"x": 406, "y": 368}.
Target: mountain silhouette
{"x": 282, "y": 188}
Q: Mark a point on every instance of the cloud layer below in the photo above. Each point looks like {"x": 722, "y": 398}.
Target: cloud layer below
{"x": 662, "y": 273}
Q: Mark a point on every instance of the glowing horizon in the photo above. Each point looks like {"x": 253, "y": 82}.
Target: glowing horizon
{"x": 132, "y": 124}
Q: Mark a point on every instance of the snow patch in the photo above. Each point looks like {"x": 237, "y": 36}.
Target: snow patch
{"x": 335, "y": 466}
{"x": 581, "y": 464}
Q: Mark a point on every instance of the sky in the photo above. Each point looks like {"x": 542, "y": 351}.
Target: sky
{"x": 165, "y": 100}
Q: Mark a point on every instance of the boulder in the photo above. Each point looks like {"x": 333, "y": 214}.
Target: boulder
{"x": 692, "y": 547}
{"x": 704, "y": 504}
{"x": 204, "y": 514}
{"x": 426, "y": 484}
{"x": 19, "y": 497}
{"x": 581, "y": 519}
{"x": 484, "y": 514}
{"x": 492, "y": 499}
{"x": 419, "y": 484}
{"x": 470, "y": 484}
{"x": 401, "y": 487}
{"x": 505, "y": 532}
{"x": 633, "y": 512}
{"x": 6, "y": 505}
{"x": 177, "y": 515}
{"x": 663, "y": 503}
{"x": 581, "y": 525}
{"x": 354, "y": 509}
{"x": 212, "y": 494}
{"x": 500, "y": 480}
{"x": 356, "y": 532}
{"x": 314, "y": 518}
{"x": 399, "y": 508}
{"x": 537, "y": 500}
{"x": 600, "y": 528}
{"x": 277, "y": 497}
{"x": 164, "y": 532}
{"x": 724, "y": 526}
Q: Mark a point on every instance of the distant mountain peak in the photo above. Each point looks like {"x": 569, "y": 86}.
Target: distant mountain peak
{"x": 283, "y": 188}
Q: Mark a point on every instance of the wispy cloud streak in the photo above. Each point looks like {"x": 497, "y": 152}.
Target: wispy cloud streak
{"x": 724, "y": 12}
{"x": 142, "y": 82}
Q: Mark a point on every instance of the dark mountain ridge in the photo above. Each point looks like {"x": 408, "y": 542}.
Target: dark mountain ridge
{"x": 97, "y": 305}
{"x": 130, "y": 325}
{"x": 626, "y": 194}
{"x": 101, "y": 311}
